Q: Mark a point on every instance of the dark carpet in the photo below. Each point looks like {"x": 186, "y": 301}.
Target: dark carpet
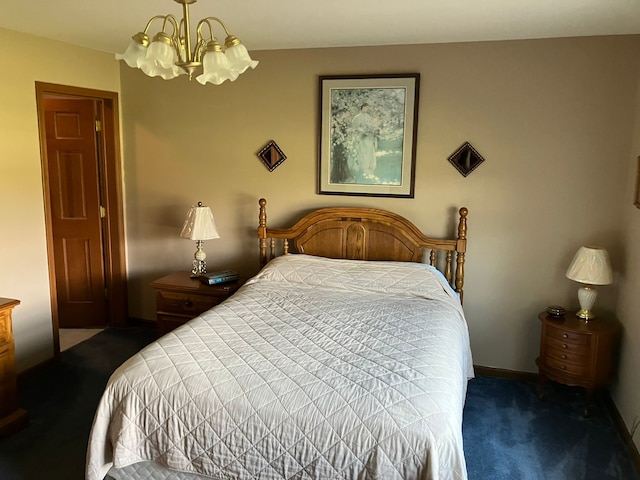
{"x": 508, "y": 433}
{"x": 60, "y": 402}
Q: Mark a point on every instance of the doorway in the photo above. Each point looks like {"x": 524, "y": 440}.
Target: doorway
{"x": 81, "y": 171}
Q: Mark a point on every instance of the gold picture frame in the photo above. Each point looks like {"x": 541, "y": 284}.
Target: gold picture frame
{"x": 636, "y": 193}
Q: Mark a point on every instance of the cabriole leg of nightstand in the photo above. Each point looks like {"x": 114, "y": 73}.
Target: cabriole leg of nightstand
{"x": 587, "y": 401}
{"x": 542, "y": 387}
{"x": 542, "y": 380}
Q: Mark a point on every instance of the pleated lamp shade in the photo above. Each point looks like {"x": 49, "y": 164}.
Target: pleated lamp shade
{"x": 591, "y": 265}
{"x": 200, "y": 224}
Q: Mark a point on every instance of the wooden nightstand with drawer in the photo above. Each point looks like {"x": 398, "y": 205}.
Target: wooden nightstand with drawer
{"x": 12, "y": 417}
{"x": 577, "y": 353}
{"x": 179, "y": 298}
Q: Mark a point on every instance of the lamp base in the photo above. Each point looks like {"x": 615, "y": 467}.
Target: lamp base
{"x": 199, "y": 268}
{"x": 585, "y": 315}
{"x": 586, "y": 297}
{"x": 199, "y": 263}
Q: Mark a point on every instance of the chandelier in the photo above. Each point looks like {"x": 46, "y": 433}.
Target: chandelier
{"x": 170, "y": 54}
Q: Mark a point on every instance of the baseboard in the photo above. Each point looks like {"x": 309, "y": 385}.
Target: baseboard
{"x": 40, "y": 367}
{"x": 608, "y": 402}
{"x": 141, "y": 322}
{"x": 624, "y": 433}
{"x": 14, "y": 422}
{"x": 502, "y": 373}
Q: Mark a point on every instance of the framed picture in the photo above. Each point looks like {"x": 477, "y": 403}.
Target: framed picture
{"x": 636, "y": 193}
{"x": 367, "y": 135}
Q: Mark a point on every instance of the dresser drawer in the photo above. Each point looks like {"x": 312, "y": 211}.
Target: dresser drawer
{"x": 564, "y": 345}
{"x": 166, "y": 323}
{"x": 188, "y": 304}
{"x": 5, "y": 328}
{"x": 568, "y": 336}
{"x": 567, "y": 356}
{"x": 8, "y": 388}
{"x": 564, "y": 367}
{"x": 12, "y": 417}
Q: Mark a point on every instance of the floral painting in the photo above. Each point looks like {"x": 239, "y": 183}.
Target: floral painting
{"x": 367, "y": 135}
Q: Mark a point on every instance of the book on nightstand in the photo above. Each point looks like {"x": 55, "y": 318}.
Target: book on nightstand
{"x": 214, "y": 278}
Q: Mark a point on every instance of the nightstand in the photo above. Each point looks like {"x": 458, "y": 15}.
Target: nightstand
{"x": 12, "y": 417}
{"x": 179, "y": 298}
{"x": 577, "y": 353}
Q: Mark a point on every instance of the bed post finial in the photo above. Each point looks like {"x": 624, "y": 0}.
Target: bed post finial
{"x": 461, "y": 248}
{"x": 462, "y": 227}
{"x": 262, "y": 231}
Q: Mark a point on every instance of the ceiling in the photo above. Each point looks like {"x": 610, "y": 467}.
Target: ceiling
{"x": 282, "y": 24}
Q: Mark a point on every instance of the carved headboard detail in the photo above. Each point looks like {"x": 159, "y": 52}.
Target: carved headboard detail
{"x": 358, "y": 233}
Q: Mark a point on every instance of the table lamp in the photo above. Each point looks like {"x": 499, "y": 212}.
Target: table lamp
{"x": 590, "y": 266}
{"x": 199, "y": 226}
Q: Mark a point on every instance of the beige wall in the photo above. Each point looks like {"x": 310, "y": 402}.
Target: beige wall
{"x": 627, "y": 393}
{"x": 23, "y": 256}
{"x": 553, "y": 118}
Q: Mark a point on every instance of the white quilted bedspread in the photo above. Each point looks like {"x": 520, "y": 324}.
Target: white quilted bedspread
{"x": 315, "y": 369}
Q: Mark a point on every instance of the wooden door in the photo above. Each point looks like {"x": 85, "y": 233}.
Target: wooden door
{"x": 76, "y": 223}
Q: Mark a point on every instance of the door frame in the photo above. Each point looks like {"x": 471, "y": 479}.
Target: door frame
{"x": 111, "y": 190}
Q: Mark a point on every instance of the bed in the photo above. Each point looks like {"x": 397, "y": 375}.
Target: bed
{"x": 347, "y": 356}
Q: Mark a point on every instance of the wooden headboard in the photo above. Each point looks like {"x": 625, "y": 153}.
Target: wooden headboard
{"x": 358, "y": 233}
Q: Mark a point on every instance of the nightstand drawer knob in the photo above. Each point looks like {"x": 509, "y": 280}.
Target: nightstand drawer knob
{"x": 564, "y": 357}
{"x": 563, "y": 367}
{"x": 564, "y": 345}
{"x": 565, "y": 335}
{"x": 188, "y": 303}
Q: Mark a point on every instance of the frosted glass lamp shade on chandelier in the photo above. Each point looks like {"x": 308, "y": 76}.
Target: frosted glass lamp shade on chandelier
{"x": 590, "y": 266}
{"x": 199, "y": 226}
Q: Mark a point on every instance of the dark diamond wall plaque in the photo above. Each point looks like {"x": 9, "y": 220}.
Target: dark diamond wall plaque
{"x": 271, "y": 155}
{"x": 466, "y": 159}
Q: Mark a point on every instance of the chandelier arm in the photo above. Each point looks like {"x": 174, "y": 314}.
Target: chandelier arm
{"x": 182, "y": 31}
{"x": 199, "y": 52}
{"x": 204, "y": 21}
{"x": 174, "y": 23}
{"x": 177, "y": 40}
{"x": 201, "y": 47}
{"x": 216, "y": 19}
{"x": 175, "y": 36}
{"x": 158, "y": 17}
